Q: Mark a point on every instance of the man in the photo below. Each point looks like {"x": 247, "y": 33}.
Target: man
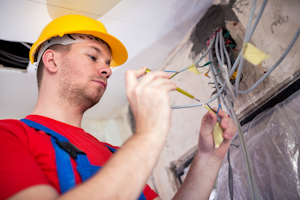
{"x": 73, "y": 68}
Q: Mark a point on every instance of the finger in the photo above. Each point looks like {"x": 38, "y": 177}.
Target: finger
{"x": 222, "y": 113}
{"x": 152, "y": 76}
{"x": 131, "y": 77}
{"x": 230, "y": 130}
{"x": 208, "y": 123}
{"x": 167, "y": 87}
{"x": 160, "y": 81}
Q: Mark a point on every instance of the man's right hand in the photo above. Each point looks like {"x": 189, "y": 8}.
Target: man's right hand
{"x": 149, "y": 100}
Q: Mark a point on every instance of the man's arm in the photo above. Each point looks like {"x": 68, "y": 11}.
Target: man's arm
{"x": 126, "y": 173}
{"x": 206, "y": 163}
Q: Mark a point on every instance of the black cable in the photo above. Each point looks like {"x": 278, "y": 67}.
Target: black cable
{"x": 230, "y": 173}
{"x": 212, "y": 109}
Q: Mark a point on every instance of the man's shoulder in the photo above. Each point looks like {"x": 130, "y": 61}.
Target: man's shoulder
{"x": 14, "y": 128}
{"x": 11, "y": 124}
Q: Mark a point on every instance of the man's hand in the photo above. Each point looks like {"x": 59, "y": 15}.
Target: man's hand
{"x": 149, "y": 100}
{"x": 206, "y": 163}
{"x": 206, "y": 140}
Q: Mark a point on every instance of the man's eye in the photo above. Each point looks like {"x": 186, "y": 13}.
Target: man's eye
{"x": 93, "y": 58}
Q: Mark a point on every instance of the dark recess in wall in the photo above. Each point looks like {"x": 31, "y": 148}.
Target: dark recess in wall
{"x": 10, "y": 53}
{"x": 214, "y": 18}
{"x": 281, "y": 96}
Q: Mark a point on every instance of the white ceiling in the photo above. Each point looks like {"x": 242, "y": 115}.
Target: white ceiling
{"x": 149, "y": 29}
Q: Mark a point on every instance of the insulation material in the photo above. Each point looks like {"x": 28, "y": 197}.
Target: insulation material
{"x": 273, "y": 142}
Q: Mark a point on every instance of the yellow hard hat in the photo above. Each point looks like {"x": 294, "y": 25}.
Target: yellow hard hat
{"x": 84, "y": 25}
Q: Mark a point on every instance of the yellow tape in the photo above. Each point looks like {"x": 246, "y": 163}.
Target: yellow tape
{"x": 253, "y": 54}
{"x": 217, "y": 134}
{"x": 192, "y": 68}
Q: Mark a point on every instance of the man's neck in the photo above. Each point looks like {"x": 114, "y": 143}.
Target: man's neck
{"x": 58, "y": 110}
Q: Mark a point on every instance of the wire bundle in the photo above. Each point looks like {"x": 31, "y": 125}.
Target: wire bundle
{"x": 226, "y": 91}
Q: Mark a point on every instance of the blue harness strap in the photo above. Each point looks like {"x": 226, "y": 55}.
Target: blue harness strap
{"x": 64, "y": 150}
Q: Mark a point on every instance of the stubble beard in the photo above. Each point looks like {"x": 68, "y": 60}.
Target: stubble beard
{"x": 73, "y": 93}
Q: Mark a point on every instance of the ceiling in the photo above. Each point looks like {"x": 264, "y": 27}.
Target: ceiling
{"x": 149, "y": 29}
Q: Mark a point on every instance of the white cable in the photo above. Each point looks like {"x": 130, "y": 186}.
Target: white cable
{"x": 26, "y": 45}
{"x": 246, "y": 40}
{"x": 228, "y": 84}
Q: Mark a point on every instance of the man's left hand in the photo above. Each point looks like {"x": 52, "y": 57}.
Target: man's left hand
{"x": 206, "y": 140}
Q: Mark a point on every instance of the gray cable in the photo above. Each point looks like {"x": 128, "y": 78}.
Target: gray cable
{"x": 201, "y": 58}
{"x": 226, "y": 54}
{"x": 246, "y": 40}
{"x": 213, "y": 98}
{"x": 228, "y": 84}
{"x": 217, "y": 48}
{"x": 13, "y": 56}
{"x": 26, "y": 45}
{"x": 245, "y": 155}
{"x": 221, "y": 50}
{"x": 274, "y": 66}
{"x": 234, "y": 65}
{"x": 12, "y": 62}
{"x": 213, "y": 72}
{"x": 14, "y": 59}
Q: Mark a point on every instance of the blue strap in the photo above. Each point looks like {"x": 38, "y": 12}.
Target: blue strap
{"x": 85, "y": 168}
{"x": 64, "y": 167}
{"x": 110, "y": 148}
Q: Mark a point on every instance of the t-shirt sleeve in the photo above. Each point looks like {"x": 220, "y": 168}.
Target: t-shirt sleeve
{"x": 18, "y": 168}
{"x": 149, "y": 193}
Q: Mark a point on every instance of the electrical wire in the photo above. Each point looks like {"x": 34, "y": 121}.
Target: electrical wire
{"x": 274, "y": 66}
{"x": 234, "y": 65}
{"x": 246, "y": 40}
{"x": 13, "y": 62}
{"x": 228, "y": 84}
{"x": 230, "y": 173}
{"x": 225, "y": 86}
{"x": 201, "y": 58}
{"x": 14, "y": 57}
{"x": 26, "y": 45}
{"x": 218, "y": 108}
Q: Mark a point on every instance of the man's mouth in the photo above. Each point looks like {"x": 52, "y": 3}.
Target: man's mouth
{"x": 101, "y": 83}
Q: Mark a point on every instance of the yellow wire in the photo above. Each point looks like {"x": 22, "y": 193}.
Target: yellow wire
{"x": 184, "y": 92}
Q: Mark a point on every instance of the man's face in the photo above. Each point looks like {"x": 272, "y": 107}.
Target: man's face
{"x": 83, "y": 74}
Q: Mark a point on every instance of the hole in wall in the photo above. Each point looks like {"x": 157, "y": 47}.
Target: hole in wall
{"x": 14, "y": 55}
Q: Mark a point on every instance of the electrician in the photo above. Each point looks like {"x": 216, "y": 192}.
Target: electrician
{"x": 48, "y": 156}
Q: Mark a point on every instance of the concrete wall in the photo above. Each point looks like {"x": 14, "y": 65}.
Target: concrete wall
{"x": 114, "y": 131}
{"x": 277, "y": 26}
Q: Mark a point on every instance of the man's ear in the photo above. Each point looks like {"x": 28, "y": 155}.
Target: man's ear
{"x": 49, "y": 60}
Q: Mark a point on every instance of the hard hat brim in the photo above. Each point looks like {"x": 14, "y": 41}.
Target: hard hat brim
{"x": 78, "y": 24}
{"x": 119, "y": 52}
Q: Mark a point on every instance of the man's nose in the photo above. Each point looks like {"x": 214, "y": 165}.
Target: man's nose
{"x": 105, "y": 71}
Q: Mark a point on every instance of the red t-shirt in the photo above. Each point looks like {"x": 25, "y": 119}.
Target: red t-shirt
{"x": 27, "y": 155}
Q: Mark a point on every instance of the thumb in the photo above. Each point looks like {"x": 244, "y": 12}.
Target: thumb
{"x": 131, "y": 77}
{"x": 208, "y": 123}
